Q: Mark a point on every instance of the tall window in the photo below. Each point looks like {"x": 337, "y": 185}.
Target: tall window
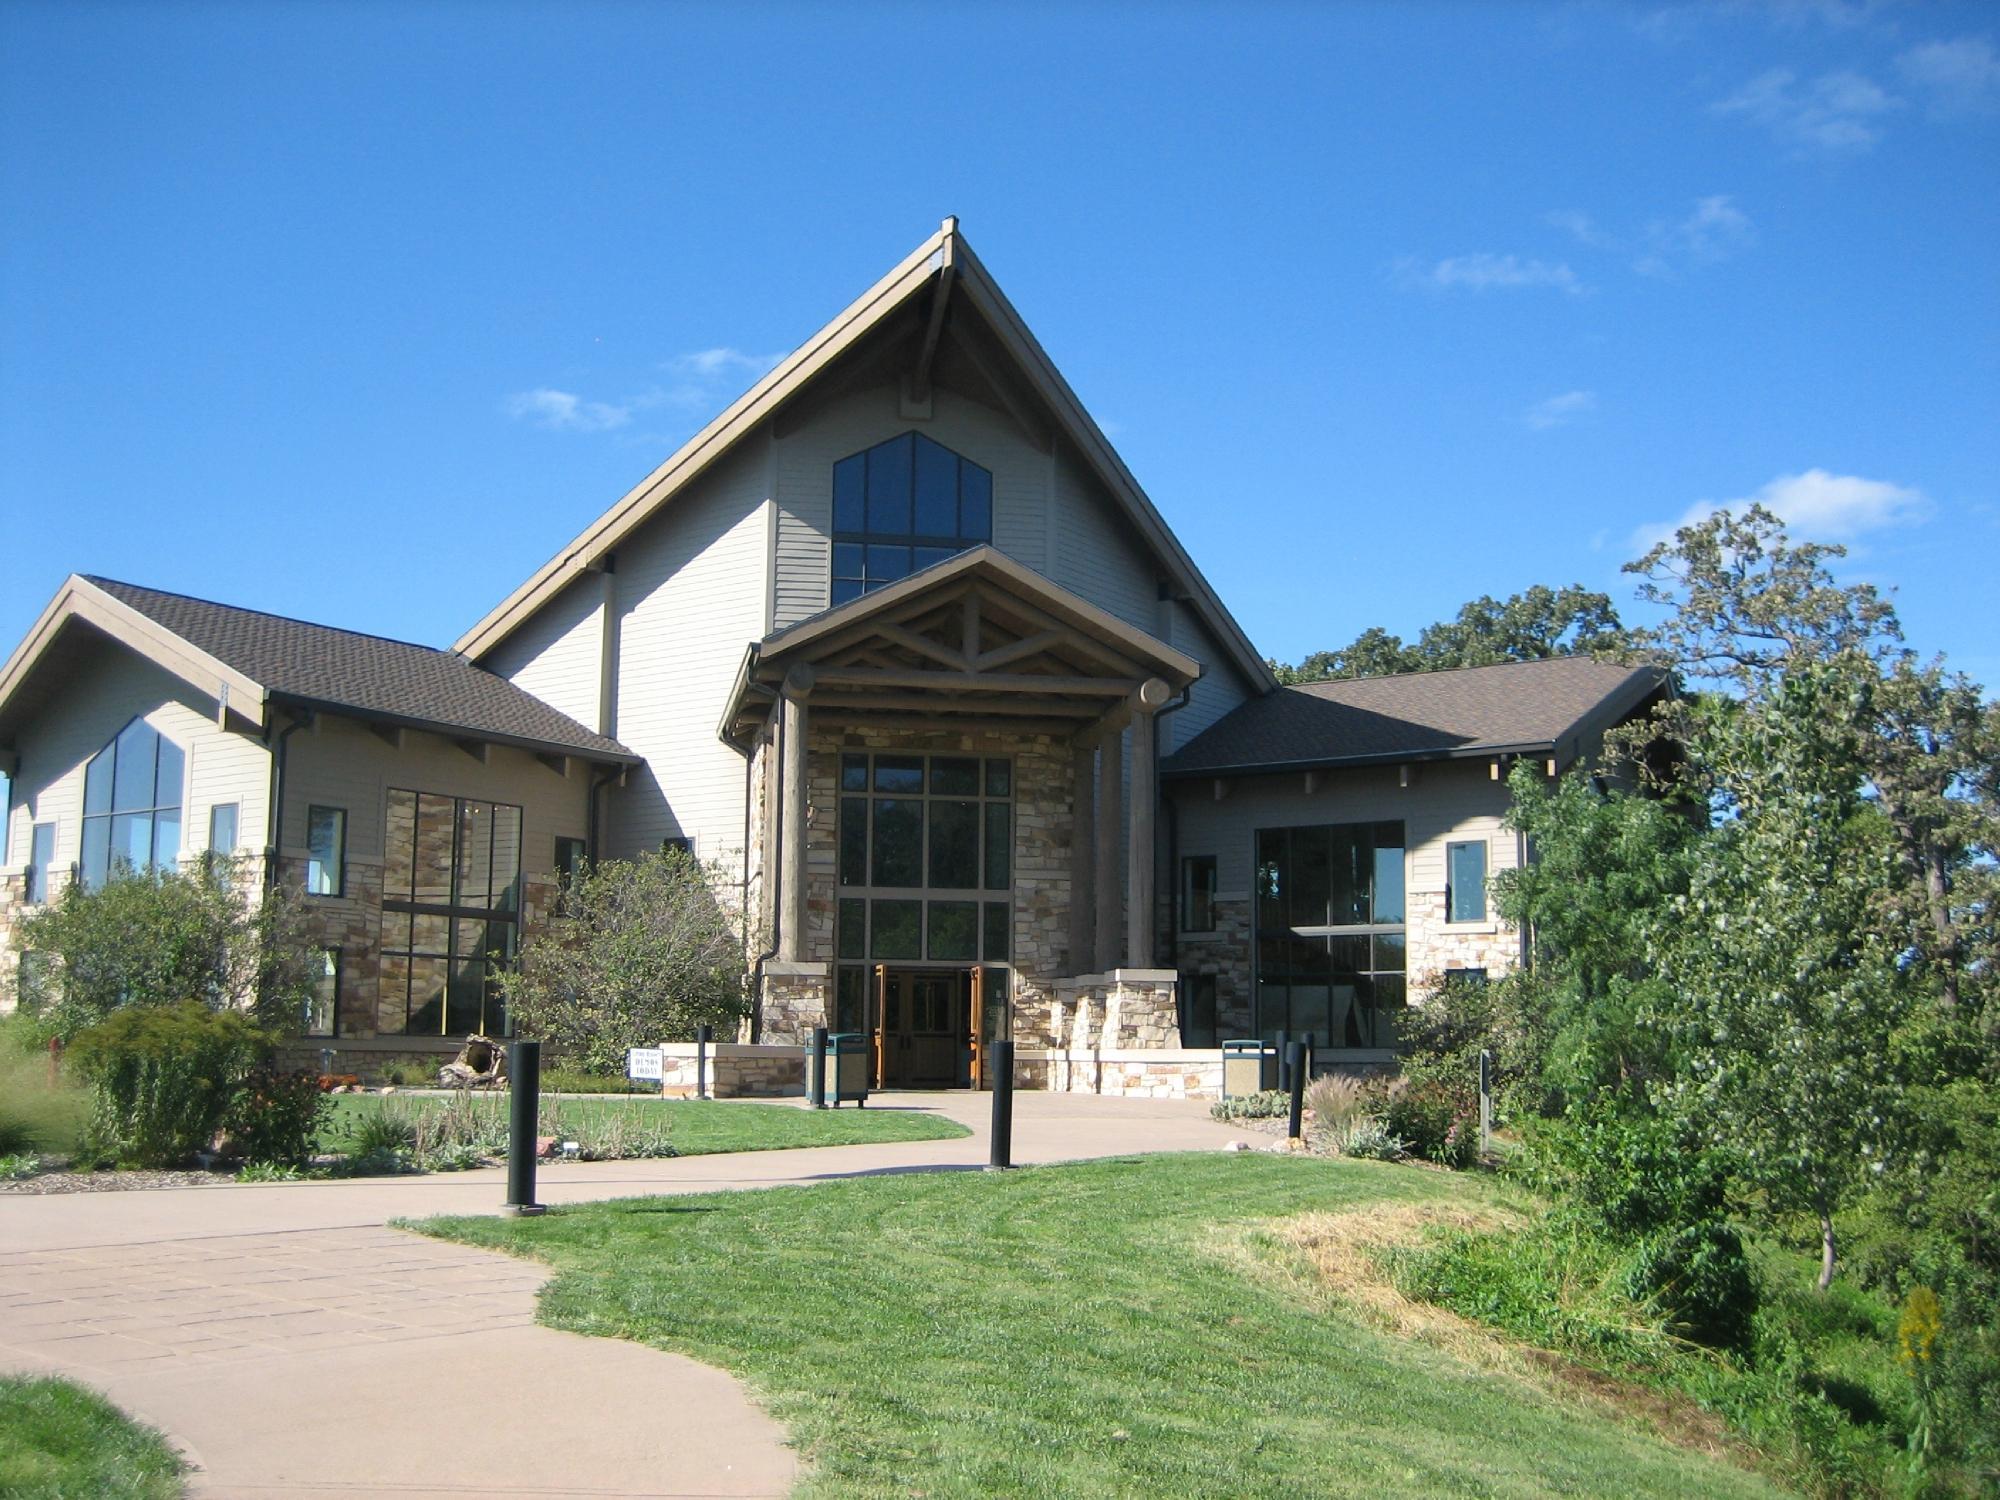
{"x": 450, "y": 902}
{"x": 1330, "y": 932}
{"x": 222, "y": 828}
{"x": 903, "y": 505}
{"x": 326, "y": 851}
{"x": 1198, "y": 893}
{"x": 132, "y": 804}
{"x": 1465, "y": 882}
{"x": 41, "y": 862}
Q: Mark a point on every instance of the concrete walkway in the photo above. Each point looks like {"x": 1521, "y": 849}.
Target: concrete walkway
{"x": 295, "y": 1346}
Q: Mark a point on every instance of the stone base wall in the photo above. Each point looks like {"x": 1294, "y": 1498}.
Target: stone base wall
{"x": 1226, "y": 954}
{"x": 369, "y": 1058}
{"x": 796, "y": 998}
{"x": 1149, "y": 1073}
{"x": 1119, "y": 1011}
{"x": 13, "y": 906}
{"x": 738, "y": 1070}
{"x": 1437, "y": 945}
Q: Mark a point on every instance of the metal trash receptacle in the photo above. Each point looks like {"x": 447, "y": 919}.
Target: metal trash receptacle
{"x": 846, "y": 1068}
{"x": 1249, "y": 1066}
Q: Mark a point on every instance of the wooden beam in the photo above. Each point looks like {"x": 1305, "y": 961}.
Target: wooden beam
{"x": 389, "y": 734}
{"x": 1107, "y": 808}
{"x": 914, "y": 723}
{"x": 556, "y": 763}
{"x": 920, "y": 377}
{"x": 1083, "y": 860}
{"x": 477, "y": 749}
{"x": 923, "y": 646}
{"x": 792, "y": 820}
{"x": 1036, "y": 432}
{"x": 976, "y": 682}
{"x": 968, "y": 631}
{"x": 936, "y": 703}
{"x": 1033, "y": 645}
{"x": 1139, "y": 825}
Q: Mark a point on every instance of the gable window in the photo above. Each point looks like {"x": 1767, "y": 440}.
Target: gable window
{"x": 41, "y": 862}
{"x": 903, "y": 505}
{"x": 451, "y": 871}
{"x": 132, "y": 805}
{"x": 1198, "y": 893}
{"x": 326, "y": 851}
{"x": 1330, "y": 933}
{"x": 1465, "y": 882}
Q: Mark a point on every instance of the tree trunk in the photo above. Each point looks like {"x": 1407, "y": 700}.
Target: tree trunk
{"x": 1937, "y": 892}
{"x": 1826, "y": 1256}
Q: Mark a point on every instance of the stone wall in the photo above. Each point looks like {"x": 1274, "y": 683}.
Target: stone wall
{"x": 1225, "y": 953}
{"x": 1124, "y": 1010}
{"x": 797, "y": 997}
{"x": 737, "y": 1070}
{"x": 1437, "y": 945}
{"x": 13, "y": 906}
{"x": 1143, "y": 1073}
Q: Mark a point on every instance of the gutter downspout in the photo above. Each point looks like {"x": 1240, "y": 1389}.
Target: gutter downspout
{"x": 597, "y": 784}
{"x": 276, "y": 820}
{"x": 1172, "y": 885}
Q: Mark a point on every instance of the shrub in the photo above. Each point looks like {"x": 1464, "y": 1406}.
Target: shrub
{"x": 275, "y": 1117}
{"x": 1631, "y": 1173}
{"x": 1267, "y": 1104}
{"x": 640, "y": 952}
{"x": 164, "y": 938}
{"x": 164, "y": 1079}
{"x": 17, "y": 1166}
{"x": 1335, "y": 1101}
{"x": 1369, "y": 1138}
{"x": 268, "y": 1171}
{"x": 1437, "y": 1123}
{"x": 607, "y": 1135}
{"x": 383, "y": 1132}
{"x": 15, "y": 1136}
{"x": 1700, "y": 1282}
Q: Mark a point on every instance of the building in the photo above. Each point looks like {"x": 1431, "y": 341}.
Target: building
{"x": 900, "y": 644}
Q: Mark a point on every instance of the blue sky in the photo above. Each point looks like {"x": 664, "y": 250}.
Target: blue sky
{"x": 359, "y": 312}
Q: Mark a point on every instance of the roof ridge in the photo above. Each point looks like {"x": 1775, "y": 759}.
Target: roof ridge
{"x": 1533, "y": 661}
{"x": 266, "y": 614}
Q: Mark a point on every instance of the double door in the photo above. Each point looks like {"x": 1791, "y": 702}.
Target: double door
{"x": 924, "y": 1027}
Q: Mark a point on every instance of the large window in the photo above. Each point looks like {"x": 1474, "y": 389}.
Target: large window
{"x": 326, "y": 851}
{"x": 1465, "y": 882}
{"x": 41, "y": 862}
{"x": 926, "y": 863}
{"x": 450, "y": 899}
{"x": 132, "y": 804}
{"x": 1330, "y": 933}
{"x": 903, "y": 505}
{"x": 1198, "y": 893}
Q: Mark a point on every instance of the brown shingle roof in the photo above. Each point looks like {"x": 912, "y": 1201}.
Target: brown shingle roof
{"x": 1530, "y": 705}
{"x": 366, "y": 674}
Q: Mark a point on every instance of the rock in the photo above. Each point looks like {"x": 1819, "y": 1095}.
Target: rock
{"x": 546, "y": 1145}
{"x": 1237, "y": 1146}
{"x": 388, "y": 1088}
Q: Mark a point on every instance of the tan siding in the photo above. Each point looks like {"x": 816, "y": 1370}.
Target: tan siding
{"x": 805, "y": 460}
{"x": 691, "y": 591}
{"x": 112, "y": 688}
{"x": 1098, "y": 555}
{"x": 555, "y": 655}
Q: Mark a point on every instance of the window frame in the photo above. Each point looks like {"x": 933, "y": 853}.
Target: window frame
{"x": 1380, "y": 935}
{"x": 339, "y": 861}
{"x": 110, "y": 813}
{"x": 843, "y": 586}
{"x": 455, "y": 913}
{"x": 1451, "y": 891}
{"x": 1191, "y": 866}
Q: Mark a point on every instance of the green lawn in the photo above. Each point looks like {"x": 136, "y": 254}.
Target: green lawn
{"x": 60, "y": 1440}
{"x": 1074, "y": 1330}
{"x": 697, "y": 1127}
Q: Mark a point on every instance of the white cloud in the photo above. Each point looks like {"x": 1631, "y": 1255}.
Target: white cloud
{"x": 1836, "y": 112}
{"x": 566, "y": 411}
{"x": 1560, "y": 411}
{"x": 1483, "y": 271}
{"x": 1960, "y": 76}
{"x": 1712, "y": 230}
{"x": 1815, "y": 506}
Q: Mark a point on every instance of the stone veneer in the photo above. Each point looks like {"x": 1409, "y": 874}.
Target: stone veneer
{"x": 1151, "y": 1073}
{"x": 796, "y": 999}
{"x": 1225, "y": 953}
{"x": 1436, "y": 945}
{"x": 737, "y": 1070}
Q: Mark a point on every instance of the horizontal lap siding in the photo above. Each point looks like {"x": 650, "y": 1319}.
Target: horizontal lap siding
{"x": 555, "y": 655}
{"x": 112, "y": 688}
{"x": 691, "y": 591}
{"x": 1098, "y": 554}
{"x": 1220, "y": 688}
{"x": 805, "y": 460}
{"x": 1445, "y": 802}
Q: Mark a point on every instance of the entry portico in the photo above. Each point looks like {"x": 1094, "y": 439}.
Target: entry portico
{"x": 944, "y": 764}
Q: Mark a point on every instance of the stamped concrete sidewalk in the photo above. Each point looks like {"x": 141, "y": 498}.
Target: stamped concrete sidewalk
{"x": 296, "y": 1346}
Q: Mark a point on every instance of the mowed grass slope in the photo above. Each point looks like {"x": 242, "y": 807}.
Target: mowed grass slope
{"x": 696, "y": 1127}
{"x": 1093, "y": 1329}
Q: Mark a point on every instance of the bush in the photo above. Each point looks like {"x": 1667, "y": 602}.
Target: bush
{"x": 639, "y": 953}
{"x": 164, "y": 1078}
{"x": 1370, "y": 1139}
{"x": 19, "y": 1166}
{"x": 1700, "y": 1282}
{"x": 164, "y": 938}
{"x": 1436, "y": 1122}
{"x": 275, "y": 1117}
{"x": 1631, "y": 1174}
{"x": 40, "y": 1110}
{"x": 1266, "y": 1104}
{"x": 1335, "y": 1101}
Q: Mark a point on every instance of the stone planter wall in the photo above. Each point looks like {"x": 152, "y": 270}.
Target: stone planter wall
{"x": 738, "y": 1070}
{"x": 1139, "y": 1073}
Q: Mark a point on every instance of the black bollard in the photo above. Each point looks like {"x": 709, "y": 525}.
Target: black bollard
{"x": 703, "y": 1035}
{"x": 1002, "y": 1156}
{"x": 1295, "y": 1066}
{"x": 524, "y": 1083}
{"x": 1284, "y": 1060}
{"x": 817, "y": 1085}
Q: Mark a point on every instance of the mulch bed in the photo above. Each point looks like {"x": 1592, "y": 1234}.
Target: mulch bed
{"x": 60, "y": 1181}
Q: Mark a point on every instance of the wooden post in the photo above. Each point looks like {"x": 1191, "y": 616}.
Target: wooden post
{"x": 1083, "y": 861}
{"x": 1109, "y": 794}
{"x": 1144, "y": 811}
{"x": 792, "y": 737}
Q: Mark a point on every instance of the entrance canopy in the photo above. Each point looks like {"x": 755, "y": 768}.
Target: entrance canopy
{"x": 974, "y": 642}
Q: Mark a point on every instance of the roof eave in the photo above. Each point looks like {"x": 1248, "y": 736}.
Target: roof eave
{"x": 445, "y": 730}
{"x": 1343, "y": 762}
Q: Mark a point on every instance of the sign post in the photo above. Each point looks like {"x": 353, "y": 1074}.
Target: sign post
{"x": 703, "y": 1035}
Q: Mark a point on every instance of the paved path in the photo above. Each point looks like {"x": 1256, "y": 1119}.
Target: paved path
{"x": 295, "y": 1346}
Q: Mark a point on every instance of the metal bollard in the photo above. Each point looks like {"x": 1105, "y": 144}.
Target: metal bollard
{"x": 1284, "y": 1060}
{"x": 816, "y": 1084}
{"x": 1295, "y": 1067}
{"x": 1002, "y": 1155}
{"x": 524, "y": 1075}
{"x": 703, "y": 1035}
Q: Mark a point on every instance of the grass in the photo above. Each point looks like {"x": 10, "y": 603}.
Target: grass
{"x": 34, "y": 1116}
{"x": 1131, "y": 1328}
{"x": 696, "y": 1127}
{"x": 61, "y": 1440}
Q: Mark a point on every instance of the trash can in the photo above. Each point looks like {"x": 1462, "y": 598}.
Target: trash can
{"x": 1249, "y": 1067}
{"x": 847, "y": 1068}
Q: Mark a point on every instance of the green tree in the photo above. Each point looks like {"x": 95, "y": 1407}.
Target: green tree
{"x": 640, "y": 953}
{"x": 166, "y": 937}
{"x": 1540, "y": 622}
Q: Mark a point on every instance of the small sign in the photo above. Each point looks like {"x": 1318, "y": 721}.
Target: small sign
{"x": 646, "y": 1062}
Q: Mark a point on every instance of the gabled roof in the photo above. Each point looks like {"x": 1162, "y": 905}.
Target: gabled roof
{"x": 1532, "y": 707}
{"x": 977, "y": 634}
{"x": 255, "y": 659}
{"x": 946, "y": 261}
